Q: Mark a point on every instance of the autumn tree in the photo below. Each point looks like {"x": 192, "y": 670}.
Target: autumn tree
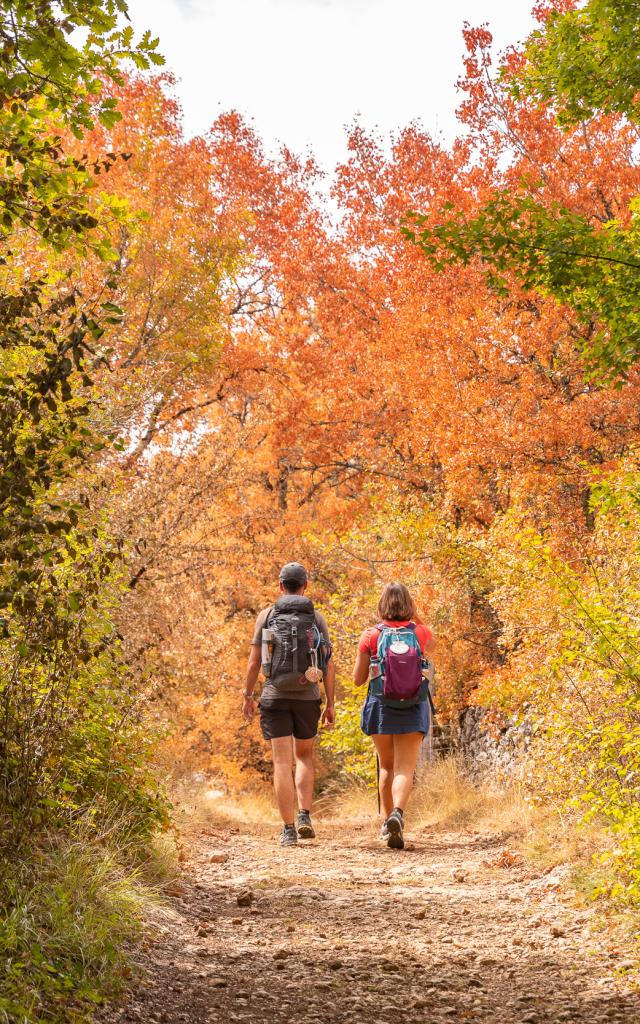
{"x": 582, "y": 67}
{"x": 568, "y": 622}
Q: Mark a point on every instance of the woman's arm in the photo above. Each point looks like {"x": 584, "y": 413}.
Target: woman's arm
{"x": 361, "y": 668}
{"x": 426, "y": 638}
{"x": 429, "y": 645}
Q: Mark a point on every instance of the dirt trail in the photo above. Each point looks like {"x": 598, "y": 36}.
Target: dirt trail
{"x": 344, "y": 930}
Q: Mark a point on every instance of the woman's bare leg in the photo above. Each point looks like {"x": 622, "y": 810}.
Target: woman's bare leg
{"x": 384, "y": 748}
{"x": 406, "y": 748}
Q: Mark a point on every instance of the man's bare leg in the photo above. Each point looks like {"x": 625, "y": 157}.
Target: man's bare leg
{"x": 282, "y": 748}
{"x": 305, "y": 772}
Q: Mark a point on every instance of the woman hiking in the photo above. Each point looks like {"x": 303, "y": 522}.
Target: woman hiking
{"x": 391, "y": 657}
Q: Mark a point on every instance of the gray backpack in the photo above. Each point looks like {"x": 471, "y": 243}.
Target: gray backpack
{"x": 294, "y": 635}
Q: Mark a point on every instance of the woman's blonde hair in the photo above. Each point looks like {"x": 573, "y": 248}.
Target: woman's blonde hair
{"x": 396, "y": 603}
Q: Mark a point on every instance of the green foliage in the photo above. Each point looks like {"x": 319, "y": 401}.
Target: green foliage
{"x": 600, "y": 655}
{"x": 575, "y": 634}
{"x": 71, "y": 736}
{"x": 69, "y": 908}
{"x": 73, "y": 751}
{"x": 48, "y": 84}
{"x": 56, "y": 581}
{"x": 39, "y": 61}
{"x": 352, "y": 750}
{"x": 550, "y": 249}
{"x": 48, "y": 332}
{"x": 586, "y": 60}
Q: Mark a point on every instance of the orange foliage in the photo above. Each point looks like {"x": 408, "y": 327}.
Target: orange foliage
{"x": 283, "y": 375}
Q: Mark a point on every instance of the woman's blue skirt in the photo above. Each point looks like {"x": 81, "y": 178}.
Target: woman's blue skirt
{"x": 378, "y": 718}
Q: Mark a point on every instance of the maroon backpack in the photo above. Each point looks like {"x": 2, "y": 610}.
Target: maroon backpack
{"x": 397, "y": 666}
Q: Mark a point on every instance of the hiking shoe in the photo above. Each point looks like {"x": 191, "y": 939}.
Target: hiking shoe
{"x": 394, "y": 826}
{"x": 289, "y": 836}
{"x": 384, "y": 832}
{"x": 305, "y": 828}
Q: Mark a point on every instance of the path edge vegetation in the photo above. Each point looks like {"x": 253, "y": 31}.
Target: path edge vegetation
{"x": 79, "y": 804}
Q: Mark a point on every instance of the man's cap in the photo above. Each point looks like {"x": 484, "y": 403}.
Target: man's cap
{"x": 293, "y": 572}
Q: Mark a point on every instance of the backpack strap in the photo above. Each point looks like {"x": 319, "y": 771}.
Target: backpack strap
{"x": 411, "y": 626}
{"x": 318, "y": 632}
{"x": 294, "y": 649}
{"x": 324, "y": 647}
{"x": 376, "y": 657}
{"x": 275, "y": 659}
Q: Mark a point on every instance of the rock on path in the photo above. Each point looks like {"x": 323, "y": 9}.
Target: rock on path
{"x": 341, "y": 929}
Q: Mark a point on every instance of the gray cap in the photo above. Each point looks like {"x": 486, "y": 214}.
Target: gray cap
{"x": 293, "y": 571}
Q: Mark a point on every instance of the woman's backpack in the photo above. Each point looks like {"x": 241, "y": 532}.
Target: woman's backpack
{"x": 397, "y": 667}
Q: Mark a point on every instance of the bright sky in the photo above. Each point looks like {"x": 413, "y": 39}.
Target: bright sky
{"x": 305, "y": 69}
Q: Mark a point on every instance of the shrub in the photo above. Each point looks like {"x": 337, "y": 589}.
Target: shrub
{"x": 70, "y": 909}
{"x": 574, "y": 635}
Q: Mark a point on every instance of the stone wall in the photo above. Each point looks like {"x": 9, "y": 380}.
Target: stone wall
{"x": 490, "y": 747}
{"x": 485, "y": 746}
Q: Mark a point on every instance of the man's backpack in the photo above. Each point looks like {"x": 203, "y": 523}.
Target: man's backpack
{"x": 397, "y": 667}
{"x": 295, "y": 635}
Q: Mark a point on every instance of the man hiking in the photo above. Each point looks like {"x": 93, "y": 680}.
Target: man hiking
{"x": 292, "y": 647}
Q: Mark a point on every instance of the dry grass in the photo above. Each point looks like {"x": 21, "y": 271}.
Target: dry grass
{"x": 198, "y": 805}
{"x": 73, "y": 907}
{"x": 443, "y": 797}
{"x": 349, "y": 800}
{"x": 544, "y": 834}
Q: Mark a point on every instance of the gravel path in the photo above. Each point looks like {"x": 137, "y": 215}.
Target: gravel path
{"x": 454, "y": 928}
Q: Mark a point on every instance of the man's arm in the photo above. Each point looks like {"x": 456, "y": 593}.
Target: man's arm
{"x": 329, "y": 713}
{"x": 254, "y": 665}
{"x": 251, "y": 678}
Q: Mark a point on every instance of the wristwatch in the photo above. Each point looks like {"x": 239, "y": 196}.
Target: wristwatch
{"x": 247, "y": 696}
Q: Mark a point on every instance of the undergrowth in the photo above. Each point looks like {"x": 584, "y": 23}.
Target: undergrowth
{"x": 71, "y": 908}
